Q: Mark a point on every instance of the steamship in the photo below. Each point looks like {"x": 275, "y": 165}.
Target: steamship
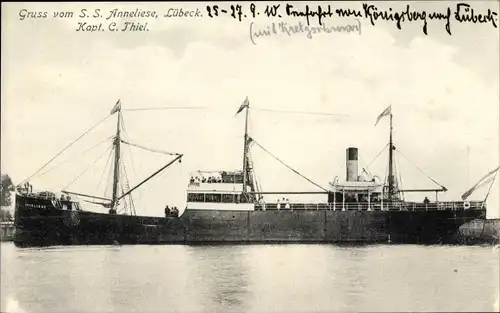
{"x": 227, "y": 206}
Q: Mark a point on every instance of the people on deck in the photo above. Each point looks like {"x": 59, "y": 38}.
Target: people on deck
{"x": 426, "y": 201}
{"x": 171, "y": 212}
{"x": 175, "y": 212}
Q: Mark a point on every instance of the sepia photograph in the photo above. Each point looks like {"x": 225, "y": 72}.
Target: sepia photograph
{"x": 236, "y": 156}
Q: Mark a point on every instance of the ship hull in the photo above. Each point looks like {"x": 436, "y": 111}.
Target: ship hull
{"x": 40, "y": 224}
{"x": 480, "y": 232}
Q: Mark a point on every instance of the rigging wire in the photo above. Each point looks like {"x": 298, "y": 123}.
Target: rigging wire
{"x": 127, "y": 185}
{"x": 69, "y": 159}
{"x": 420, "y": 169}
{"x": 364, "y": 167}
{"x": 252, "y": 108}
{"x": 67, "y": 147}
{"x": 149, "y": 149}
{"x": 400, "y": 179}
{"x": 110, "y": 174}
{"x": 130, "y": 149}
{"x": 165, "y": 108}
{"x": 289, "y": 166}
{"x": 124, "y": 210}
{"x": 386, "y": 176}
{"x": 85, "y": 170}
{"x": 145, "y": 189}
{"x": 377, "y": 156}
{"x": 300, "y": 112}
{"x": 491, "y": 185}
{"x": 104, "y": 170}
{"x": 131, "y": 159}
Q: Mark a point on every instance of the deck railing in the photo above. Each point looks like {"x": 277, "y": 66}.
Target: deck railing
{"x": 377, "y": 206}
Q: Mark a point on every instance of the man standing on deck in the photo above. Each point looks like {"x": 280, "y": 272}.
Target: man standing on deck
{"x": 426, "y": 201}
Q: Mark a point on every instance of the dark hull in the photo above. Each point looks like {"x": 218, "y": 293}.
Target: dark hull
{"x": 44, "y": 225}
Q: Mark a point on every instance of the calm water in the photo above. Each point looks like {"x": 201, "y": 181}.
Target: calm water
{"x": 260, "y": 278}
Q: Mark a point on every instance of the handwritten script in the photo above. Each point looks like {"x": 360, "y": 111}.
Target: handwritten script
{"x": 462, "y": 13}
{"x": 100, "y": 20}
{"x": 283, "y": 28}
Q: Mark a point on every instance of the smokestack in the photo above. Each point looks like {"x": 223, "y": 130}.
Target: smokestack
{"x": 352, "y": 164}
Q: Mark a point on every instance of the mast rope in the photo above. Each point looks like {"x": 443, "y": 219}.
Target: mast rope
{"x": 124, "y": 201}
{"x": 69, "y": 159}
{"x": 386, "y": 176}
{"x": 104, "y": 171}
{"x": 109, "y": 174}
{"x": 165, "y": 108}
{"x": 130, "y": 150}
{"x": 377, "y": 156}
{"x": 127, "y": 188}
{"x": 400, "y": 179}
{"x": 71, "y": 183}
{"x": 149, "y": 149}
{"x": 288, "y": 166}
{"x": 60, "y": 152}
{"x": 420, "y": 170}
{"x": 491, "y": 185}
{"x": 363, "y": 166}
{"x": 253, "y": 108}
{"x": 300, "y": 112}
{"x": 127, "y": 182}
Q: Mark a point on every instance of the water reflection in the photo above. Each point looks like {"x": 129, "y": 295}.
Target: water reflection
{"x": 352, "y": 282}
{"x": 260, "y": 278}
{"x": 222, "y": 278}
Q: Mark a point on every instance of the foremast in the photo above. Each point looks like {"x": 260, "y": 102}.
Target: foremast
{"x": 116, "y": 173}
{"x": 116, "y": 170}
{"x": 112, "y": 203}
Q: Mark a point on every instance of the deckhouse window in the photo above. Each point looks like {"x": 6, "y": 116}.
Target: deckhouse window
{"x": 195, "y": 197}
{"x": 228, "y": 198}
{"x": 228, "y": 179}
{"x": 213, "y": 197}
{"x": 238, "y": 179}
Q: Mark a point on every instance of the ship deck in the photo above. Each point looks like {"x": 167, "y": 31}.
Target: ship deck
{"x": 377, "y": 206}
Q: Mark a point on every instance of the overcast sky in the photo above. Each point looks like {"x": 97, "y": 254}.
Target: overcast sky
{"x": 57, "y": 83}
